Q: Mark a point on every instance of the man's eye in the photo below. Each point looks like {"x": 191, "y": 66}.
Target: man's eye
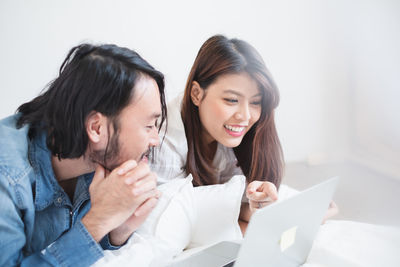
{"x": 231, "y": 100}
{"x": 154, "y": 125}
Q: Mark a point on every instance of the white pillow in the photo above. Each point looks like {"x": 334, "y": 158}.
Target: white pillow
{"x": 202, "y": 215}
{"x": 218, "y": 208}
{"x": 184, "y": 217}
{"x": 192, "y": 217}
{"x": 144, "y": 248}
{"x": 168, "y": 191}
{"x": 176, "y": 222}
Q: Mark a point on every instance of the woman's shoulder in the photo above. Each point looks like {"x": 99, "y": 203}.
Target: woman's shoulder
{"x": 224, "y": 156}
{"x": 174, "y": 135}
{"x": 174, "y": 118}
{"x": 226, "y": 163}
{"x": 170, "y": 156}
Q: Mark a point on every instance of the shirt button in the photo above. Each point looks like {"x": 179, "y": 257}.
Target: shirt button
{"x": 59, "y": 200}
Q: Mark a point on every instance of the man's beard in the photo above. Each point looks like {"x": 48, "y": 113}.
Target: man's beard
{"x": 108, "y": 157}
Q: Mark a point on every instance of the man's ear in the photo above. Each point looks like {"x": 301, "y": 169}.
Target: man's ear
{"x": 96, "y": 127}
{"x": 197, "y": 93}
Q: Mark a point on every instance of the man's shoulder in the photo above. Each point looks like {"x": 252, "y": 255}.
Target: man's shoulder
{"x": 14, "y": 162}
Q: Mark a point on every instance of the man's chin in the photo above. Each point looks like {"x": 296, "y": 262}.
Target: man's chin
{"x": 109, "y": 167}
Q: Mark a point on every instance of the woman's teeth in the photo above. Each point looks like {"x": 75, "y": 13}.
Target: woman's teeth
{"x": 234, "y": 129}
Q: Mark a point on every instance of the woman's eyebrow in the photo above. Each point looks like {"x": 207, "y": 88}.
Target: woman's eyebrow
{"x": 233, "y": 92}
{"x": 238, "y": 93}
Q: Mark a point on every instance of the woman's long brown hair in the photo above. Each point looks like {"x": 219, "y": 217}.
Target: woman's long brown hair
{"x": 259, "y": 154}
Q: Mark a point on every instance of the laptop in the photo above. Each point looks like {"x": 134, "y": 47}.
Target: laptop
{"x": 280, "y": 234}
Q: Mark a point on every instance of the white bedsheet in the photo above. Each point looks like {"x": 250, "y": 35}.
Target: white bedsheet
{"x": 355, "y": 244}
{"x": 338, "y": 244}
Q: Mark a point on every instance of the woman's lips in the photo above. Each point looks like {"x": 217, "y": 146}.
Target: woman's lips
{"x": 234, "y": 130}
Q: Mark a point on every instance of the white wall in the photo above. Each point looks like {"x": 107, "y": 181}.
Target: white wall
{"x": 306, "y": 44}
{"x": 375, "y": 135}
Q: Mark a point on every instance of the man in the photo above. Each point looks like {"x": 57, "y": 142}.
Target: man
{"x": 74, "y": 178}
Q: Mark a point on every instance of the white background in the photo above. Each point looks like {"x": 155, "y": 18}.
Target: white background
{"x": 336, "y": 63}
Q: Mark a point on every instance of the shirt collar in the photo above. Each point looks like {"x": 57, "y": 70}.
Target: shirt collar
{"x": 82, "y": 189}
{"x": 46, "y": 186}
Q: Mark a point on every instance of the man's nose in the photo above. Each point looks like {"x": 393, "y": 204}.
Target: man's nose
{"x": 154, "y": 138}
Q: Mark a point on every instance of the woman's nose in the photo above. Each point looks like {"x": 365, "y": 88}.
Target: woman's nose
{"x": 243, "y": 113}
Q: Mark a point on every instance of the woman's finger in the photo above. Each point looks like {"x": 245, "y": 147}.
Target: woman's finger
{"x": 261, "y": 191}
{"x": 270, "y": 189}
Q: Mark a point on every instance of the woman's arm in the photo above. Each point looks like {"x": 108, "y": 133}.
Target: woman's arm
{"x": 332, "y": 211}
{"x": 244, "y": 216}
{"x": 259, "y": 194}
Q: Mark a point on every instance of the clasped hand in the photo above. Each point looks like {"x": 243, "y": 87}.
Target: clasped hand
{"x": 120, "y": 201}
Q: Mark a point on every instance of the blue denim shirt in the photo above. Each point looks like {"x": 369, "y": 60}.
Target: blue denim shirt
{"x": 39, "y": 226}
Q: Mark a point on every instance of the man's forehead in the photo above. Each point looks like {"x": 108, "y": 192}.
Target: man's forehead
{"x": 146, "y": 98}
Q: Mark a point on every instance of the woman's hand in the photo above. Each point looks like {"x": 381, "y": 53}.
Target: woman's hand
{"x": 260, "y": 194}
{"x": 332, "y": 211}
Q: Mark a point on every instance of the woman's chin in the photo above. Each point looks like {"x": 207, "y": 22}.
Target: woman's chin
{"x": 231, "y": 143}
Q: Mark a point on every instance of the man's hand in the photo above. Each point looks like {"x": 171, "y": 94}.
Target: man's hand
{"x": 119, "y": 235}
{"x": 115, "y": 198}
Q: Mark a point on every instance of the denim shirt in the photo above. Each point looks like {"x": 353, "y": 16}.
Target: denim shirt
{"x": 39, "y": 226}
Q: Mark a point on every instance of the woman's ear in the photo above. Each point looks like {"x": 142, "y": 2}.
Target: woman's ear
{"x": 95, "y": 125}
{"x": 197, "y": 93}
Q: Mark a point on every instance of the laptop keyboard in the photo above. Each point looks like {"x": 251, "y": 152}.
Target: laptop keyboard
{"x": 229, "y": 264}
{"x": 221, "y": 254}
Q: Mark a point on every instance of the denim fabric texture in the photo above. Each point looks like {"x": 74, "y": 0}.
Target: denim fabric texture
{"x": 39, "y": 225}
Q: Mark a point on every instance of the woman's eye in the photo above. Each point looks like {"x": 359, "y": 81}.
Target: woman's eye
{"x": 256, "y": 103}
{"x": 231, "y": 100}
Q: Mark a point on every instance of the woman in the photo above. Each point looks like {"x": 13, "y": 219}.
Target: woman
{"x": 225, "y": 124}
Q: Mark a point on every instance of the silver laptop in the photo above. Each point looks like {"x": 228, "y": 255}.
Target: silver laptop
{"x": 280, "y": 234}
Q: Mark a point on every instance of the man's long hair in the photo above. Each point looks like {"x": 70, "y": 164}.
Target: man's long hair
{"x": 92, "y": 78}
